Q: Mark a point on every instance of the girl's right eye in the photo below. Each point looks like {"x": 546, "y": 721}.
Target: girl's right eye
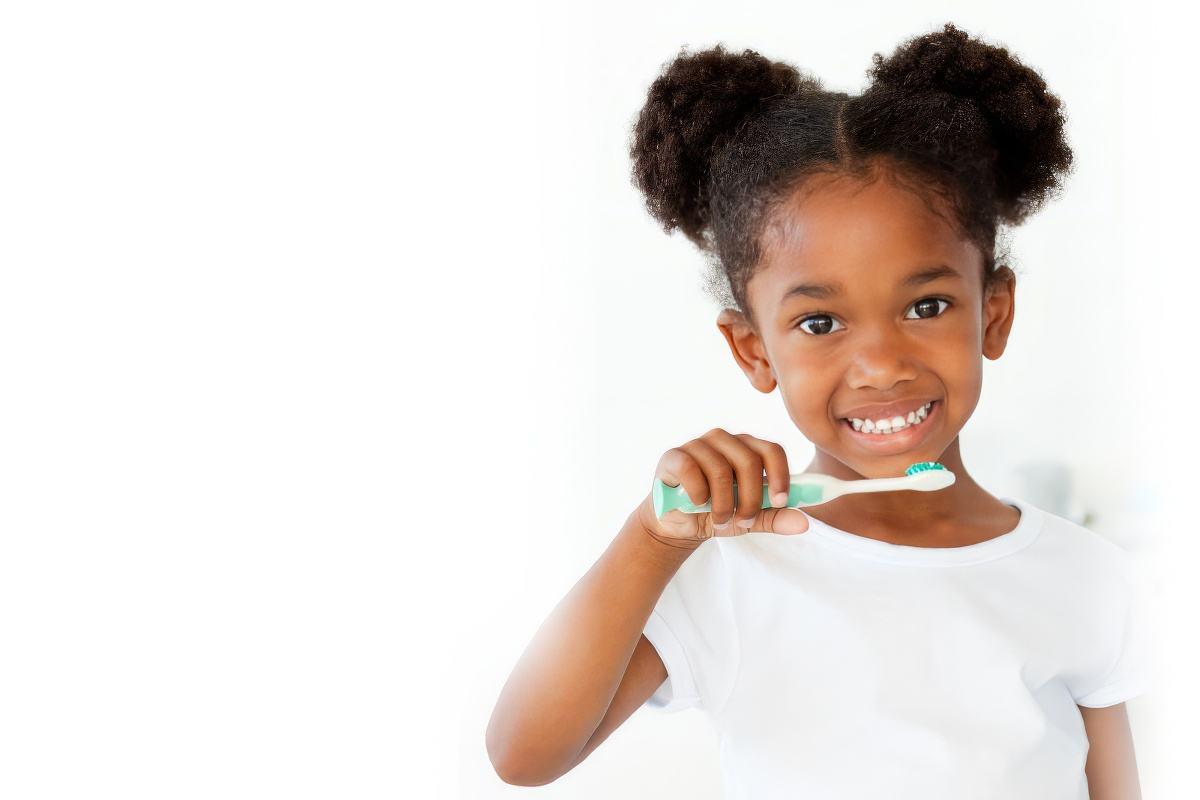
{"x": 824, "y": 319}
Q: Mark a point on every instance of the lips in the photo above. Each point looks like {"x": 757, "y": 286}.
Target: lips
{"x": 898, "y": 442}
{"x": 896, "y": 408}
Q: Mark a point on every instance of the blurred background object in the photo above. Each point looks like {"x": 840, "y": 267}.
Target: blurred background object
{"x": 1047, "y": 483}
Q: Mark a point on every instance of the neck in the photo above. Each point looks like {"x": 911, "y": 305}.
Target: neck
{"x": 903, "y": 510}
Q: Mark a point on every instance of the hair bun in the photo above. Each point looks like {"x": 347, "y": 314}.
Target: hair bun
{"x": 1026, "y": 120}
{"x": 692, "y": 108}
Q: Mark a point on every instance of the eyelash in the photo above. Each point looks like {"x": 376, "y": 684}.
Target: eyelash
{"x": 918, "y": 302}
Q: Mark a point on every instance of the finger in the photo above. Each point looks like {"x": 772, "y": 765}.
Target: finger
{"x": 775, "y": 461}
{"x": 678, "y": 467}
{"x": 748, "y": 466}
{"x": 718, "y": 478}
{"x": 785, "y": 521}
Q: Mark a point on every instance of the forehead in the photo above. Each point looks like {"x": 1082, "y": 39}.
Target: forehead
{"x": 842, "y": 230}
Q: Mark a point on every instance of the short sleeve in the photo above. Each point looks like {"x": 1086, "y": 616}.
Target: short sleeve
{"x": 693, "y": 630}
{"x": 1127, "y": 671}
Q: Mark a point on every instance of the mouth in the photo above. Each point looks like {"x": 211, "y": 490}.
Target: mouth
{"x": 887, "y": 439}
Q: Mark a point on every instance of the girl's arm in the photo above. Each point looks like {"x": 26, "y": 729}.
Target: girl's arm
{"x": 562, "y": 698}
{"x": 1111, "y": 766}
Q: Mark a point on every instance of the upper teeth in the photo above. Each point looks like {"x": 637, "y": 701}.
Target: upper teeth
{"x": 885, "y": 426}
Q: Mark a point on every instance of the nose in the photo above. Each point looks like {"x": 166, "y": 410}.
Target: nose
{"x": 880, "y": 360}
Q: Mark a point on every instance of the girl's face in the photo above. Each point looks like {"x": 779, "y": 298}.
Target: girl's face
{"x": 870, "y": 305}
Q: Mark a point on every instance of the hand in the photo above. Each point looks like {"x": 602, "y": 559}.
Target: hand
{"x": 707, "y": 467}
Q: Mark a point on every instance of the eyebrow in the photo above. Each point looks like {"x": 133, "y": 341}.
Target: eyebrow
{"x": 825, "y": 290}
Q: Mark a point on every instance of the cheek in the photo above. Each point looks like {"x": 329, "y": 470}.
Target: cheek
{"x": 961, "y": 373}
{"x": 806, "y": 392}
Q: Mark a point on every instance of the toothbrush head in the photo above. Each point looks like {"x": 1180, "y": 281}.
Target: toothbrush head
{"x": 928, "y": 476}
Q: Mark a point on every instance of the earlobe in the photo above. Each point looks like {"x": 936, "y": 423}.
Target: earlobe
{"x": 747, "y": 348}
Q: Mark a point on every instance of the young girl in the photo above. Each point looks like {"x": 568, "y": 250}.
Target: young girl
{"x": 942, "y": 644}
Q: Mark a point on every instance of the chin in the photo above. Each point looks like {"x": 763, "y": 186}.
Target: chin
{"x": 883, "y": 466}
{"x": 888, "y": 468}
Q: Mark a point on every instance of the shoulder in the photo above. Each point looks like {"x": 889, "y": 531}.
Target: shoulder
{"x": 1075, "y": 544}
{"x": 1084, "y": 561}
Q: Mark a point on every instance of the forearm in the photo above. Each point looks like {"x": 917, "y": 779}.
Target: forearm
{"x": 564, "y": 682}
{"x": 1111, "y": 766}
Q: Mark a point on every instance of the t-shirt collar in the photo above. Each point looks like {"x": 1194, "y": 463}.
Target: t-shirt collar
{"x": 1027, "y": 529}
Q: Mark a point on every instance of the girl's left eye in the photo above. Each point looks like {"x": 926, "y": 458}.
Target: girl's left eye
{"x": 925, "y": 302}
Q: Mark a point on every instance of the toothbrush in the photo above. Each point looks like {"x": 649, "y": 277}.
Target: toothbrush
{"x": 813, "y": 488}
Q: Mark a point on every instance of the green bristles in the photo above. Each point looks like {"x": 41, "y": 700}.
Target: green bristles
{"x": 922, "y": 466}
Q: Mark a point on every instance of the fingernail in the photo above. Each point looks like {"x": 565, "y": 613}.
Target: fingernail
{"x": 779, "y": 499}
{"x": 721, "y": 525}
{"x": 746, "y": 523}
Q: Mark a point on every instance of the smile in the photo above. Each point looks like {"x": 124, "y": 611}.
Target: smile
{"x": 896, "y": 433}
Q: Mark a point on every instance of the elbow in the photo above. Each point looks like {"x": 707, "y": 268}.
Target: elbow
{"x": 512, "y": 768}
{"x": 516, "y": 773}
{"x": 516, "y": 777}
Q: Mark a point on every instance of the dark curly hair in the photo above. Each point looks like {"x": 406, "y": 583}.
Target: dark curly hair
{"x": 725, "y": 138}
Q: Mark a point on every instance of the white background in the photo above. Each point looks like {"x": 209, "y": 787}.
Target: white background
{"x": 332, "y": 344}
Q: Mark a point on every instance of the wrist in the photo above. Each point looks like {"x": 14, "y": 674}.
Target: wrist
{"x": 657, "y": 545}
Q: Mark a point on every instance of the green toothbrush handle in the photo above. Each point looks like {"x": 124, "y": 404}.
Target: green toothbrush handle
{"x": 667, "y": 498}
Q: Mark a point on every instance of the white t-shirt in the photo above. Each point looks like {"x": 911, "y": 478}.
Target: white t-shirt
{"x": 833, "y": 665}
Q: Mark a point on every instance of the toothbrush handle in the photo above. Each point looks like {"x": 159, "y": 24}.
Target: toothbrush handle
{"x": 667, "y": 498}
{"x": 875, "y": 485}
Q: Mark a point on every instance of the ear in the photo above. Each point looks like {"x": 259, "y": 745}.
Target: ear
{"x": 747, "y": 348}
{"x": 999, "y": 307}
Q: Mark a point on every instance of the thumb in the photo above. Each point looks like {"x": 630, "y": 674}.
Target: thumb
{"x": 786, "y": 521}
